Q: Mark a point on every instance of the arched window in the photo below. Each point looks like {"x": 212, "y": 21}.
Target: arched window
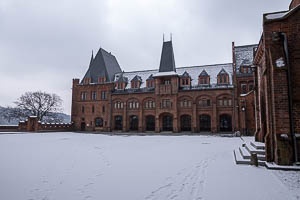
{"x": 98, "y": 122}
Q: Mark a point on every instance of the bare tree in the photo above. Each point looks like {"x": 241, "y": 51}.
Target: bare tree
{"x": 40, "y": 104}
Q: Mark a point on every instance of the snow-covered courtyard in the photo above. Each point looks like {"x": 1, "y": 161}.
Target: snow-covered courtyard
{"x": 76, "y": 166}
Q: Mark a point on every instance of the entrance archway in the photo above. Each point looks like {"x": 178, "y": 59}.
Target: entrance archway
{"x": 82, "y": 126}
{"x": 205, "y": 122}
{"x": 150, "y": 123}
{"x": 133, "y": 123}
{"x": 167, "y": 122}
{"x": 225, "y": 123}
{"x": 185, "y": 122}
{"x": 118, "y": 122}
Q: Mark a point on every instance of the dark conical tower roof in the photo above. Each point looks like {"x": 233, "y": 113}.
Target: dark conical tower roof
{"x": 103, "y": 65}
{"x": 167, "y": 61}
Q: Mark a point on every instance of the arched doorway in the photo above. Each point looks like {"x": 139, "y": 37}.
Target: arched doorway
{"x": 167, "y": 122}
{"x": 225, "y": 123}
{"x": 133, "y": 123}
{"x": 150, "y": 123}
{"x": 205, "y": 122}
{"x": 185, "y": 122}
{"x": 82, "y": 126}
{"x": 118, "y": 122}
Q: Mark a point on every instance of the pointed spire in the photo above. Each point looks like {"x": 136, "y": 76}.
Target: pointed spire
{"x": 167, "y": 61}
{"x": 92, "y": 58}
{"x": 163, "y": 37}
{"x": 170, "y": 36}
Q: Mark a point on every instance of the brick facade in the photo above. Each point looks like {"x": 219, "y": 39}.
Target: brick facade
{"x": 193, "y": 99}
{"x": 277, "y": 79}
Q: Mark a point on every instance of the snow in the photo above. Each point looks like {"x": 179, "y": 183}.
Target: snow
{"x": 276, "y": 15}
{"x": 193, "y": 71}
{"x": 75, "y": 166}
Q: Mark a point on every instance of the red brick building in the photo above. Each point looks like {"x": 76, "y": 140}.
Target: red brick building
{"x": 277, "y": 83}
{"x": 194, "y": 99}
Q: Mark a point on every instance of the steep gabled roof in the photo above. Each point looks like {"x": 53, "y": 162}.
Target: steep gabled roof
{"x": 167, "y": 61}
{"x": 103, "y": 65}
{"x": 203, "y": 73}
{"x": 150, "y": 77}
{"x": 223, "y": 71}
{"x": 137, "y": 78}
{"x": 185, "y": 74}
{"x": 122, "y": 79}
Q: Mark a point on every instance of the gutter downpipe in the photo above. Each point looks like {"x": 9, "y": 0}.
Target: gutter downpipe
{"x": 294, "y": 139}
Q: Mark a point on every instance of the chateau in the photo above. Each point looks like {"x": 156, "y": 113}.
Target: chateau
{"x": 187, "y": 99}
{"x": 256, "y": 94}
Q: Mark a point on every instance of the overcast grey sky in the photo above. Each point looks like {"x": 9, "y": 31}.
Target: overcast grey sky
{"x": 44, "y": 44}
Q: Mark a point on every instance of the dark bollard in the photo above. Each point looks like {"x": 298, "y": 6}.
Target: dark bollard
{"x": 254, "y": 160}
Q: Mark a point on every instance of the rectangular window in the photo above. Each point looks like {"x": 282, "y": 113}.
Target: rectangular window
{"x": 166, "y": 103}
{"x": 103, "y": 109}
{"x": 83, "y": 96}
{"x": 103, "y": 95}
{"x": 94, "y": 95}
{"x": 167, "y": 82}
{"x": 243, "y": 88}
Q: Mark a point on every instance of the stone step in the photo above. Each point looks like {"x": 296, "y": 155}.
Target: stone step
{"x": 258, "y": 145}
{"x": 246, "y": 154}
{"x": 252, "y": 149}
{"x": 239, "y": 159}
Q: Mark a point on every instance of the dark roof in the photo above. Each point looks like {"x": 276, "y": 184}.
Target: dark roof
{"x": 137, "y": 78}
{"x": 122, "y": 79}
{"x": 222, "y": 71}
{"x": 167, "y": 61}
{"x": 203, "y": 73}
{"x": 103, "y": 65}
{"x": 185, "y": 74}
{"x": 150, "y": 77}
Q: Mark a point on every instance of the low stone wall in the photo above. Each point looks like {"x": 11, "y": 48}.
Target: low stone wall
{"x": 33, "y": 125}
{"x": 8, "y": 128}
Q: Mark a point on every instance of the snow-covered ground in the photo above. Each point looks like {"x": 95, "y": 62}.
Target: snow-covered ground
{"x": 56, "y": 166}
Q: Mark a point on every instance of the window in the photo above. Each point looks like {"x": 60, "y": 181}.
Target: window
{"x": 94, "y": 95}
{"x": 185, "y": 103}
{"x": 166, "y": 103}
{"x": 133, "y": 105}
{"x": 204, "y": 102}
{"x": 93, "y": 109}
{"x": 149, "y": 104}
{"x": 103, "y": 109}
{"x": 118, "y": 105}
{"x": 103, "y": 95}
{"x": 243, "y": 88}
{"x": 99, "y": 122}
{"x": 185, "y": 81}
{"x": 82, "y": 109}
{"x": 223, "y": 77}
{"x": 150, "y": 83}
{"x": 225, "y": 102}
{"x": 251, "y": 87}
{"x": 102, "y": 79}
{"x": 203, "y": 80}
{"x": 167, "y": 82}
{"x": 83, "y": 96}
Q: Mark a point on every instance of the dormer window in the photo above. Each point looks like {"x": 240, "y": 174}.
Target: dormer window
{"x": 204, "y": 78}
{"x": 223, "y": 77}
{"x": 86, "y": 80}
{"x": 136, "y": 82}
{"x": 150, "y": 81}
{"x": 185, "y": 79}
{"x": 101, "y": 79}
{"x": 121, "y": 83}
